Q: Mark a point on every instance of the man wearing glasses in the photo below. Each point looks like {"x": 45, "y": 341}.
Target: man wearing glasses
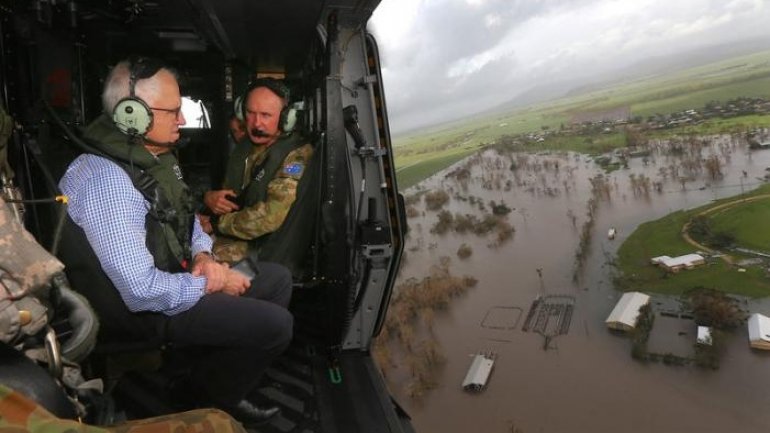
{"x": 152, "y": 248}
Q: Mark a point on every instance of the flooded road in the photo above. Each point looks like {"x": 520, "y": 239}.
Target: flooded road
{"x": 586, "y": 381}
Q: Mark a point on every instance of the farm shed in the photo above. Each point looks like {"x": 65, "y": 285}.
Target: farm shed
{"x": 623, "y": 316}
{"x": 759, "y": 331}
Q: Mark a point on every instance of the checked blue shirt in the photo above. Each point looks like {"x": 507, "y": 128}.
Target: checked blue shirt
{"x": 111, "y": 212}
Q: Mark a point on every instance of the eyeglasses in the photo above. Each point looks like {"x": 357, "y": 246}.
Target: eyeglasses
{"x": 174, "y": 111}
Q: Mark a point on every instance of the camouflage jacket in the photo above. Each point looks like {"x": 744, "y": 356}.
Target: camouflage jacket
{"x": 261, "y": 215}
{"x": 19, "y": 414}
{"x": 25, "y": 270}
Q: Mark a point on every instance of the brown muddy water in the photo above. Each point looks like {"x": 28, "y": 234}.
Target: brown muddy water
{"x": 586, "y": 381}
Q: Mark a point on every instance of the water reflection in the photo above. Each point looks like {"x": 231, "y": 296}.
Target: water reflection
{"x": 586, "y": 380}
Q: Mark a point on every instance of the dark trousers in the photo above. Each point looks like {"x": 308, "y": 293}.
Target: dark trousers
{"x": 240, "y": 336}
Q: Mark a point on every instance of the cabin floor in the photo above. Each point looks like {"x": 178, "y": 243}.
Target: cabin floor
{"x": 316, "y": 391}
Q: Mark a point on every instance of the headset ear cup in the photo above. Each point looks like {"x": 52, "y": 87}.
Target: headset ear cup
{"x": 132, "y": 116}
{"x": 288, "y": 119}
{"x": 239, "y": 109}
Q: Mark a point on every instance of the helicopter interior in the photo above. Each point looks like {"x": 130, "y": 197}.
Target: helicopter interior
{"x": 56, "y": 54}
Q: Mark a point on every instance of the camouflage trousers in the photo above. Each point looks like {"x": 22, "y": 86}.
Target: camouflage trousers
{"x": 230, "y": 249}
{"x": 19, "y": 414}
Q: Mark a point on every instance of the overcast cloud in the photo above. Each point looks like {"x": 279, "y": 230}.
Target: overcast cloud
{"x": 445, "y": 59}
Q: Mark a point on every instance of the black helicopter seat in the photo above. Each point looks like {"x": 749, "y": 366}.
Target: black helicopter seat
{"x": 121, "y": 330}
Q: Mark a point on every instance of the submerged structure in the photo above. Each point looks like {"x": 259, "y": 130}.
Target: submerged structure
{"x": 478, "y": 373}
{"x": 550, "y": 315}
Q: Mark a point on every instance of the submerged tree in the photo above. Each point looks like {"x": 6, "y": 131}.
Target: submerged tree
{"x": 464, "y": 251}
{"x": 714, "y": 167}
{"x": 435, "y": 200}
{"x": 714, "y": 308}
{"x": 409, "y": 324}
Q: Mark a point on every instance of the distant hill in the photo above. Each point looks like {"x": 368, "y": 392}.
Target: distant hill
{"x": 647, "y": 68}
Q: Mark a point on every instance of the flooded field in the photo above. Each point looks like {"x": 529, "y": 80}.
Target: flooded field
{"x": 567, "y": 372}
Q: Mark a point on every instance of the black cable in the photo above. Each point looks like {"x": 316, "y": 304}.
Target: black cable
{"x": 62, "y": 213}
{"x": 61, "y": 217}
{"x": 34, "y": 201}
{"x": 59, "y": 228}
{"x": 74, "y": 138}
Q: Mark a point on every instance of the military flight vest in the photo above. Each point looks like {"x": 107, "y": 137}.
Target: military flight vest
{"x": 262, "y": 173}
{"x": 289, "y": 244}
{"x": 169, "y": 220}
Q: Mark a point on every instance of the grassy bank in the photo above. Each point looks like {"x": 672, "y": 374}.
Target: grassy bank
{"x": 663, "y": 237}
{"x": 414, "y": 170}
{"x": 746, "y": 223}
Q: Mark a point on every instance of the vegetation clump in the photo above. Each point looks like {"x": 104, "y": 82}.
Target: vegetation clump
{"x": 436, "y": 200}
{"x": 584, "y": 244}
{"x": 700, "y": 229}
{"x": 464, "y": 251}
{"x": 412, "y": 212}
{"x": 671, "y": 359}
{"x": 714, "y": 308}
{"x": 504, "y": 232}
{"x": 642, "y": 333}
{"x": 461, "y": 173}
{"x": 500, "y": 209}
{"x": 444, "y": 224}
{"x": 419, "y": 299}
{"x": 413, "y": 199}
{"x": 467, "y": 223}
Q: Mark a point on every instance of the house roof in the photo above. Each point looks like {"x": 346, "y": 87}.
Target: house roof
{"x": 704, "y": 335}
{"x": 759, "y": 327}
{"x": 478, "y": 373}
{"x": 673, "y": 262}
{"x": 627, "y": 309}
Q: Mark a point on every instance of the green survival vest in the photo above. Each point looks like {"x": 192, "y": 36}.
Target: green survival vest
{"x": 169, "y": 220}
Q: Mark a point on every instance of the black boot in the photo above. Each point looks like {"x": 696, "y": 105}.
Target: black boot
{"x": 249, "y": 414}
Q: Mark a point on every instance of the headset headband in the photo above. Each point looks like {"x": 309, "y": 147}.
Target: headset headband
{"x": 276, "y": 86}
{"x": 141, "y": 68}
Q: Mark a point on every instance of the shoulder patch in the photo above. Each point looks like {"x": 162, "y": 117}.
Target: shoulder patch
{"x": 293, "y": 169}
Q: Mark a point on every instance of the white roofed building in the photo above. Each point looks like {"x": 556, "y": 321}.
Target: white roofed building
{"x": 759, "y": 331}
{"x": 676, "y": 264}
{"x": 623, "y": 317}
{"x": 704, "y": 336}
{"x": 478, "y": 374}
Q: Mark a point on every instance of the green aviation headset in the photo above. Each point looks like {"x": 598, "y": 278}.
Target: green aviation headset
{"x": 288, "y": 116}
{"x": 131, "y": 114}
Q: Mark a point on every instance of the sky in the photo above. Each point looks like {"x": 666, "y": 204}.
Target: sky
{"x": 448, "y": 59}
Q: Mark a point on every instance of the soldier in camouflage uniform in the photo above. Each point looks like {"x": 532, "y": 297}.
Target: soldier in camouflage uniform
{"x": 25, "y": 269}
{"x": 262, "y": 176}
{"x": 19, "y": 414}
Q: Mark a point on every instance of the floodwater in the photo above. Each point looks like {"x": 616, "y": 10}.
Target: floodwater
{"x": 586, "y": 381}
